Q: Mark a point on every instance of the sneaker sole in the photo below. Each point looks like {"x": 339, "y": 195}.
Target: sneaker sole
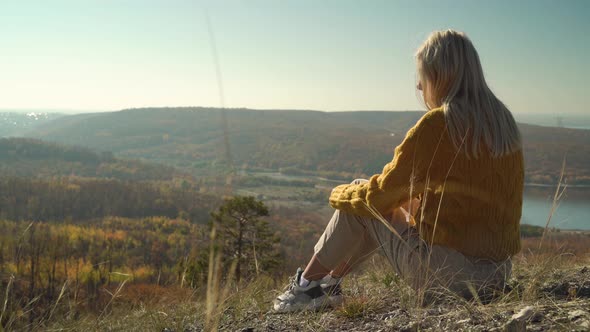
{"x": 317, "y": 304}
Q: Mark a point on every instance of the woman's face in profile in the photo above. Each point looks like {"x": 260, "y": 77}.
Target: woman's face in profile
{"x": 426, "y": 95}
{"x": 425, "y": 86}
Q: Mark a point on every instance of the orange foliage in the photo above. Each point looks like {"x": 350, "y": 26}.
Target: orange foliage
{"x": 148, "y": 294}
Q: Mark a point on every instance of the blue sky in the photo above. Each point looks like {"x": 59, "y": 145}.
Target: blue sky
{"x": 323, "y": 55}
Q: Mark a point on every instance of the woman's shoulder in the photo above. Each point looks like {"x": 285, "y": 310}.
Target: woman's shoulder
{"x": 434, "y": 118}
{"x": 431, "y": 124}
{"x": 435, "y": 114}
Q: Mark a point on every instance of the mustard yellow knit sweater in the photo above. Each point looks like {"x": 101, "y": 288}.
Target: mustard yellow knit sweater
{"x": 478, "y": 200}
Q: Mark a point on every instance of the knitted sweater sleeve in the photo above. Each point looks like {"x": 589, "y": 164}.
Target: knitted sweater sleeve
{"x": 404, "y": 177}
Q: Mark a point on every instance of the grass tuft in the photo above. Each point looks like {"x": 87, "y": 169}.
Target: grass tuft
{"x": 356, "y": 307}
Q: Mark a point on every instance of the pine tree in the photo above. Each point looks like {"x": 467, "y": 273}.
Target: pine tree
{"x": 244, "y": 237}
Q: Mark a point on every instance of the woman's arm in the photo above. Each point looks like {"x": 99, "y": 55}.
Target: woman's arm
{"x": 403, "y": 178}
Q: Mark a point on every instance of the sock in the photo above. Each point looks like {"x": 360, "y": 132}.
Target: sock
{"x": 303, "y": 282}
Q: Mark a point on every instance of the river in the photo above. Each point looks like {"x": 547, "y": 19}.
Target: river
{"x": 572, "y": 212}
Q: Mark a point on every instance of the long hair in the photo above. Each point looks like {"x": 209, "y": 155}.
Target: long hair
{"x": 449, "y": 65}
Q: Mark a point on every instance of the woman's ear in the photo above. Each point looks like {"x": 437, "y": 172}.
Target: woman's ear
{"x": 429, "y": 95}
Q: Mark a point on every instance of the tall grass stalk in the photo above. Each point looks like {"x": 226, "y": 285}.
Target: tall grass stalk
{"x": 555, "y": 203}
{"x": 61, "y": 294}
{"x": 216, "y": 293}
{"x": 4, "y": 306}
{"x": 113, "y": 297}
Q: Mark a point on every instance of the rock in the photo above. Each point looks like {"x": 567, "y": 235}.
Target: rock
{"x": 525, "y": 313}
{"x": 412, "y": 327}
{"x": 537, "y": 317}
{"x": 515, "y": 326}
{"x": 556, "y": 288}
{"x": 389, "y": 315}
{"x": 433, "y": 311}
{"x": 576, "y": 314}
{"x": 518, "y": 321}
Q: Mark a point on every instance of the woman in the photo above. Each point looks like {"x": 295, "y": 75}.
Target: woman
{"x": 446, "y": 211}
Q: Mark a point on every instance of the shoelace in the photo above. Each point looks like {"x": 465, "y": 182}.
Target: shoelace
{"x": 292, "y": 283}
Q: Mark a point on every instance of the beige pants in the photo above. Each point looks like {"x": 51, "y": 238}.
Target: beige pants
{"x": 352, "y": 239}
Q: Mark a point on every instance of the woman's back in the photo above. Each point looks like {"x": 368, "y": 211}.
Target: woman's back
{"x": 472, "y": 205}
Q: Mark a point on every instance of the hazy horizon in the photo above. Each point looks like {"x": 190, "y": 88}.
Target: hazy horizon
{"x": 81, "y": 111}
{"x": 566, "y": 120}
{"x": 330, "y": 55}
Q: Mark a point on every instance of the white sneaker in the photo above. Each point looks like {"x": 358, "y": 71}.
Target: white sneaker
{"x": 316, "y": 295}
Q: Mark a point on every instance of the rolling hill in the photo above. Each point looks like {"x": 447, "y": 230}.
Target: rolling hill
{"x": 33, "y": 158}
{"x": 346, "y": 143}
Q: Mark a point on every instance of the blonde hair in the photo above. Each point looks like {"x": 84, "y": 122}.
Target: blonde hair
{"x": 449, "y": 65}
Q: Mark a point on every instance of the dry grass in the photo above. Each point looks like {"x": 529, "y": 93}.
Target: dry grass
{"x": 372, "y": 297}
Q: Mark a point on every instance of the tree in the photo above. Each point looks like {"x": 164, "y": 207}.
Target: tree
{"x": 244, "y": 237}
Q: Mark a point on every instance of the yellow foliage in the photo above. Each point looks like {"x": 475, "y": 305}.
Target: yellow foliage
{"x": 143, "y": 272}
{"x": 10, "y": 268}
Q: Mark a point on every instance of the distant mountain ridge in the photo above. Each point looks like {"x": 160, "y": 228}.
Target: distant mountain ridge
{"x": 341, "y": 142}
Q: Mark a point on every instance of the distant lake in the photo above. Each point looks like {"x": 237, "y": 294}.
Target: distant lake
{"x": 573, "y": 211}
